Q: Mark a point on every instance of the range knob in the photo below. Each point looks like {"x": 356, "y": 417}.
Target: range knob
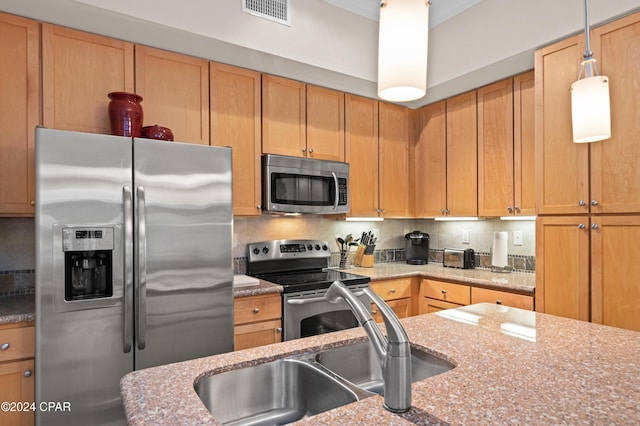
{"x": 256, "y": 251}
{"x": 309, "y": 247}
{"x": 318, "y": 247}
{"x": 324, "y": 247}
{"x": 265, "y": 249}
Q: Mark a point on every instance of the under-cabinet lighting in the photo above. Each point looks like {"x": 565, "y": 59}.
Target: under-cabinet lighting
{"x": 364, "y": 219}
{"x": 517, "y": 218}
{"x": 455, "y": 218}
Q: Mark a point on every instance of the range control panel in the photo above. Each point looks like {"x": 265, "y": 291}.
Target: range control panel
{"x": 287, "y": 249}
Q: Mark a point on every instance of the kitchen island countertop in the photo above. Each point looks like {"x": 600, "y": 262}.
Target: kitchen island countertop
{"x": 512, "y": 367}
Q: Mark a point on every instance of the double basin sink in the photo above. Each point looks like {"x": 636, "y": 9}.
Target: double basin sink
{"x": 289, "y": 389}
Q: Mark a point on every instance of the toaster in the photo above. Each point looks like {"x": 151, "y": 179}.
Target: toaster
{"x": 459, "y": 258}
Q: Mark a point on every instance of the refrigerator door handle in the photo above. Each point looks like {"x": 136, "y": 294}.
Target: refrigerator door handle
{"x": 127, "y": 202}
{"x": 141, "y": 269}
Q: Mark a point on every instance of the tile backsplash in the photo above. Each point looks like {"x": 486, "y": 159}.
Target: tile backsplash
{"x": 17, "y": 241}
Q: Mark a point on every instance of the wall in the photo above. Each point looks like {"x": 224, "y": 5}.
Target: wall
{"x": 17, "y": 240}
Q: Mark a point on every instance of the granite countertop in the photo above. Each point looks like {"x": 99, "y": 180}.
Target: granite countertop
{"x": 512, "y": 367}
{"x": 19, "y": 308}
{"x": 265, "y": 287}
{"x": 518, "y": 282}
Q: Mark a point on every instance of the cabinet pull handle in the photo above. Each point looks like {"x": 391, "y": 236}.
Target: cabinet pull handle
{"x": 498, "y": 302}
{"x": 594, "y": 226}
{"x": 4, "y": 346}
{"x": 27, "y": 373}
{"x": 393, "y": 290}
{"x": 594, "y": 202}
{"x": 442, "y": 211}
{"x": 444, "y": 291}
{"x": 256, "y": 310}
{"x": 581, "y": 226}
{"x": 582, "y": 203}
{"x": 304, "y": 149}
{"x": 510, "y": 209}
{"x": 517, "y": 209}
{"x": 259, "y": 206}
{"x": 310, "y": 150}
{"x": 447, "y": 212}
{"x": 279, "y": 330}
{"x": 32, "y": 202}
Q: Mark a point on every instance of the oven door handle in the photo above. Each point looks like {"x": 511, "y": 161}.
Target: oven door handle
{"x": 316, "y": 299}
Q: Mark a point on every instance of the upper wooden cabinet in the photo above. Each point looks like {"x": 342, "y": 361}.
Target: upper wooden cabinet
{"x": 462, "y": 156}
{"x": 599, "y": 177}
{"x": 235, "y": 122}
{"x": 302, "y": 120}
{"x": 361, "y": 152}
{"x": 429, "y": 155}
{"x": 284, "y": 116}
{"x": 394, "y": 160}
{"x": 506, "y": 173}
{"x": 175, "y": 92}
{"x": 79, "y": 70}
{"x": 19, "y": 113}
{"x": 325, "y": 124}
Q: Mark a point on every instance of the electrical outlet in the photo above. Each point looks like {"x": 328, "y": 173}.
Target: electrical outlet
{"x": 517, "y": 238}
{"x": 465, "y": 236}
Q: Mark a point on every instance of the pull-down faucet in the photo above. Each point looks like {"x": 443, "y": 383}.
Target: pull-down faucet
{"x": 393, "y": 351}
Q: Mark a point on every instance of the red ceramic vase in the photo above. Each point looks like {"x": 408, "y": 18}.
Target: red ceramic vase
{"x": 125, "y": 114}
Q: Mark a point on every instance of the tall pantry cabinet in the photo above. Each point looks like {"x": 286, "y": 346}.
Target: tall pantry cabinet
{"x": 589, "y": 194}
{"x": 19, "y": 113}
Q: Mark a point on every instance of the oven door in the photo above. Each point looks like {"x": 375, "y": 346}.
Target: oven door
{"x": 308, "y": 313}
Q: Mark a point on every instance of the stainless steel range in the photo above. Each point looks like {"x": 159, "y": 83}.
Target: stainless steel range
{"x": 301, "y": 268}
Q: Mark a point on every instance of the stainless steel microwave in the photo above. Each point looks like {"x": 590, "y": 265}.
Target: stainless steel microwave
{"x": 303, "y": 185}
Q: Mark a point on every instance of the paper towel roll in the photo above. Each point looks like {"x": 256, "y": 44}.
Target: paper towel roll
{"x": 499, "y": 256}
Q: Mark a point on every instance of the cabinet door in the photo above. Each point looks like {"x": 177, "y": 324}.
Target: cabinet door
{"x": 284, "y": 116}
{"x": 79, "y": 70}
{"x": 401, "y": 307}
{"x": 615, "y": 175}
{"x": 175, "y": 92}
{"x": 19, "y": 113}
{"x": 325, "y": 124}
{"x": 430, "y": 160}
{"x": 562, "y": 266}
{"x": 524, "y": 170}
{"x": 361, "y": 152}
{"x": 257, "y": 334}
{"x": 615, "y": 271}
{"x": 562, "y": 166}
{"x": 235, "y": 122}
{"x": 462, "y": 155}
{"x": 17, "y": 386}
{"x": 428, "y": 306}
{"x": 394, "y": 160}
{"x": 495, "y": 149}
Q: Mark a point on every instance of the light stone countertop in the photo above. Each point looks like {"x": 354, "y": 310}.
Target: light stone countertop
{"x": 518, "y": 282}
{"x": 553, "y": 371}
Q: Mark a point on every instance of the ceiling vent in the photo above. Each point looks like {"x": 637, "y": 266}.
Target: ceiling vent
{"x": 273, "y": 10}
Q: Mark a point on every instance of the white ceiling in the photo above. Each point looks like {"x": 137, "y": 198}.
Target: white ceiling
{"x": 474, "y": 42}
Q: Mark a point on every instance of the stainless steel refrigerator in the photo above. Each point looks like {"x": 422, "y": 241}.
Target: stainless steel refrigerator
{"x": 134, "y": 268}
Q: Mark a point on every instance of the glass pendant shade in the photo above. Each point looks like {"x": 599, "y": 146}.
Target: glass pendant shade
{"x": 402, "y": 49}
{"x": 590, "y": 110}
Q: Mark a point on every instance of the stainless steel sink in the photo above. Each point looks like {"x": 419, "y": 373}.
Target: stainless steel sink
{"x": 359, "y": 365}
{"x": 276, "y": 392}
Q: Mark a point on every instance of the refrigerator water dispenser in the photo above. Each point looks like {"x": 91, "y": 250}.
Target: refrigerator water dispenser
{"x": 88, "y": 263}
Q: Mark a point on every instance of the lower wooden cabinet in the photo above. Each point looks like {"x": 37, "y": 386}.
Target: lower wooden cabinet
{"x": 17, "y": 342}
{"x": 522, "y": 301}
{"x": 400, "y": 294}
{"x": 257, "y": 321}
{"x": 428, "y": 305}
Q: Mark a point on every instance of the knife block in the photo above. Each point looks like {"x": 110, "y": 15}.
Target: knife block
{"x": 357, "y": 260}
{"x": 367, "y": 261}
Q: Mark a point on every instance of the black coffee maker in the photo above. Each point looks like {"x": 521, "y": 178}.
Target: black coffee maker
{"x": 417, "y": 248}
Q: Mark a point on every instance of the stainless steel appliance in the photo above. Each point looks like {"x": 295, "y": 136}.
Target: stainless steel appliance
{"x": 302, "y": 185}
{"x": 134, "y": 268}
{"x": 417, "y": 248}
{"x": 301, "y": 268}
{"x": 459, "y": 258}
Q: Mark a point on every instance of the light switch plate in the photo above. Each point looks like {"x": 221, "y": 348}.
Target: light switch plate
{"x": 517, "y": 238}
{"x": 465, "y": 236}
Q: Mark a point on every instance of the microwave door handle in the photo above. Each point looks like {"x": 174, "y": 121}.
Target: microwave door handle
{"x": 127, "y": 290}
{"x": 141, "y": 270}
{"x": 337, "y": 187}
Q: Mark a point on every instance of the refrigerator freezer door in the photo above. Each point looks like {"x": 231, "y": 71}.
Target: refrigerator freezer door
{"x": 80, "y": 354}
{"x": 183, "y": 249}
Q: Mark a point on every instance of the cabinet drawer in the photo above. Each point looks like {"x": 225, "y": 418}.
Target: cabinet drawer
{"x": 479, "y": 295}
{"x": 17, "y": 343}
{"x": 428, "y": 306}
{"x": 392, "y": 289}
{"x": 447, "y": 292}
{"x": 257, "y": 334}
{"x": 257, "y": 308}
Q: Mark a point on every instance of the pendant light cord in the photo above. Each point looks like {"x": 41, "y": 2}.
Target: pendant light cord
{"x": 588, "y": 54}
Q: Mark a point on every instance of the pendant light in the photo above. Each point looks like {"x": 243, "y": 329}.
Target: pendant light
{"x": 590, "y": 111}
{"x": 402, "y": 49}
